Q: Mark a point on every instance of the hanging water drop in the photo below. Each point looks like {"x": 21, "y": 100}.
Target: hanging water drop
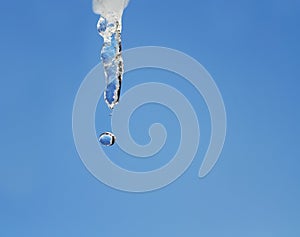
{"x": 107, "y": 139}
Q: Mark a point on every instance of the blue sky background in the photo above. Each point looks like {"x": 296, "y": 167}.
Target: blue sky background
{"x": 251, "y": 48}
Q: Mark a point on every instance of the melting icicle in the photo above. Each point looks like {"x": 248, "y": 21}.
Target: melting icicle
{"x": 110, "y": 29}
{"x": 107, "y": 139}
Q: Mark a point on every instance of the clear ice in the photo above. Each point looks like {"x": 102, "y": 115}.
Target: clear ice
{"x": 107, "y": 139}
{"x": 110, "y": 29}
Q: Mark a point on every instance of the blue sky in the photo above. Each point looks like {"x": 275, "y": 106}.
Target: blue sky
{"x": 251, "y": 48}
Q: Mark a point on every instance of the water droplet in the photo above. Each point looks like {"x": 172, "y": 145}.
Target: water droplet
{"x": 107, "y": 139}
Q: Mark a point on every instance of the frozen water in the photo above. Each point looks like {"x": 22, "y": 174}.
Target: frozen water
{"x": 110, "y": 29}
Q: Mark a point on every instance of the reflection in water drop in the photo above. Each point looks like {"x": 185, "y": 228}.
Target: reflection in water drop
{"x": 107, "y": 139}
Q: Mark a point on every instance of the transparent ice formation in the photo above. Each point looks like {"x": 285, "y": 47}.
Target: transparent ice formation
{"x": 110, "y": 29}
{"x": 107, "y": 139}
